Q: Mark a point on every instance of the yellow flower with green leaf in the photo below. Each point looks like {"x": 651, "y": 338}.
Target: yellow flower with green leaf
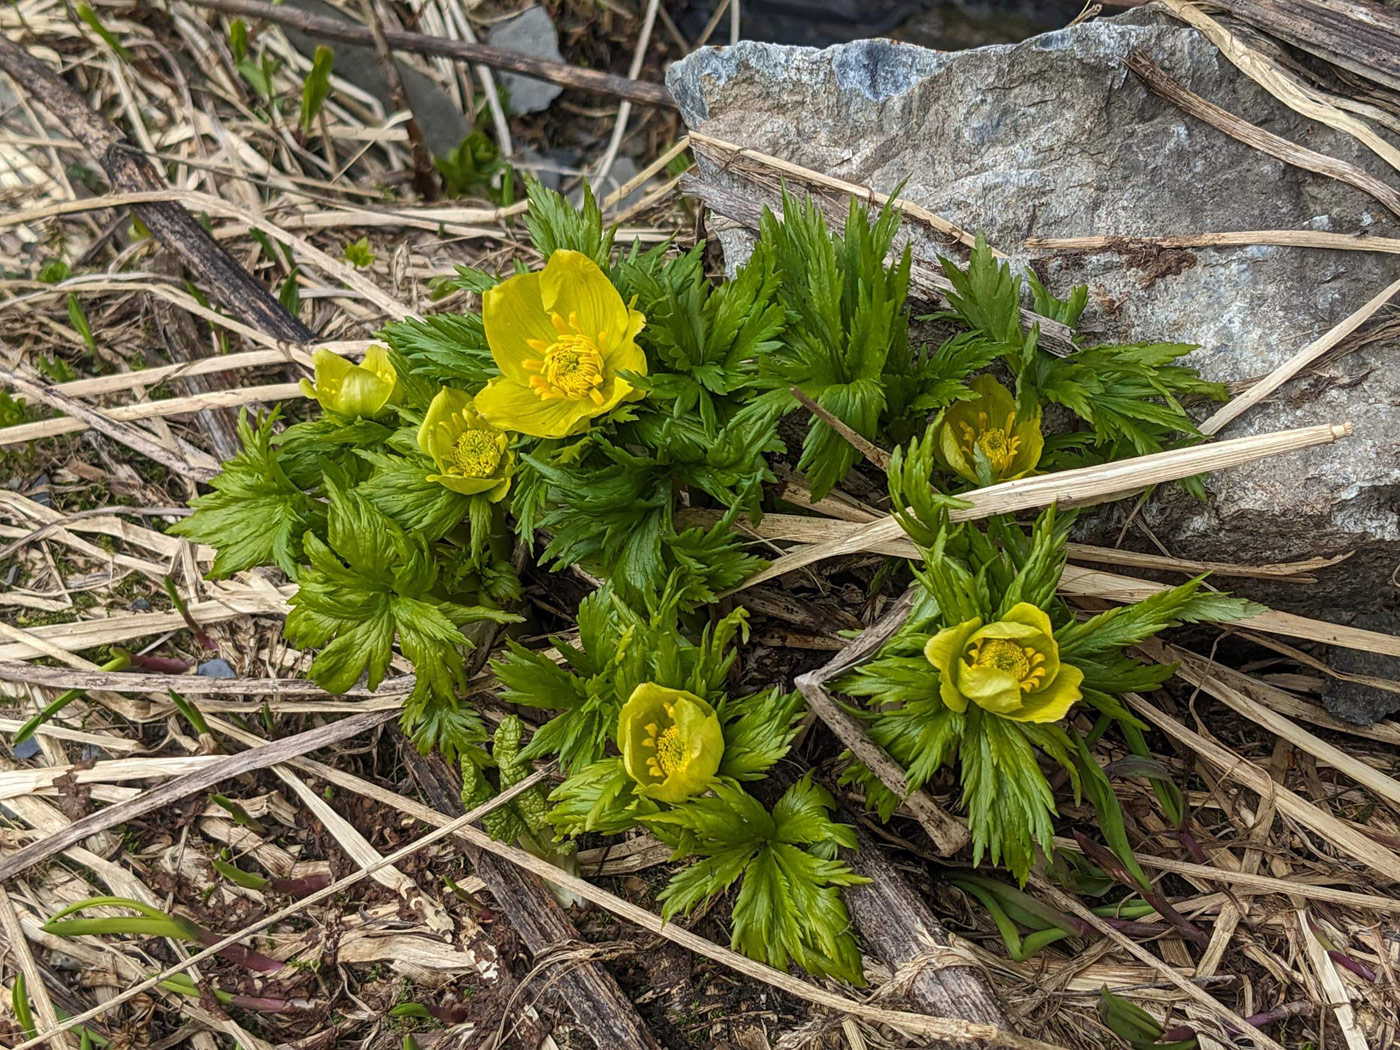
{"x": 1011, "y": 668}
{"x": 671, "y": 742}
{"x": 988, "y": 427}
{"x": 560, "y": 338}
{"x": 349, "y": 389}
{"x": 472, "y": 456}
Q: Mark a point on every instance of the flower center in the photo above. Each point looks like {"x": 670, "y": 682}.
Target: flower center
{"x": 476, "y": 453}
{"x": 669, "y": 748}
{"x": 1025, "y": 664}
{"x": 998, "y": 444}
{"x": 571, "y": 367}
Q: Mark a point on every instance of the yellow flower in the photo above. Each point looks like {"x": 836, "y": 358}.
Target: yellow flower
{"x": 671, "y": 742}
{"x": 560, "y": 337}
{"x": 988, "y": 424}
{"x": 471, "y": 455}
{"x": 349, "y": 389}
{"x": 1011, "y": 668}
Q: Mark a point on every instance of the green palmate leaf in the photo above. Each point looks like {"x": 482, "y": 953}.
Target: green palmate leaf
{"x": 255, "y": 515}
{"x": 789, "y": 906}
{"x": 1009, "y": 801}
{"x": 709, "y": 337}
{"x": 610, "y": 517}
{"x": 370, "y": 585}
{"x": 598, "y": 798}
{"x": 316, "y": 89}
{"x": 1113, "y": 630}
{"x": 445, "y": 348}
{"x": 400, "y": 488}
{"x": 358, "y": 253}
{"x": 312, "y": 451}
{"x": 1066, "y": 311}
{"x": 845, "y": 322}
{"x": 758, "y": 731}
{"x": 555, "y": 224}
{"x": 986, "y": 296}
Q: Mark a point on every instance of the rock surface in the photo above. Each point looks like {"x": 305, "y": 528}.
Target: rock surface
{"x": 530, "y": 33}
{"x": 1053, "y": 137}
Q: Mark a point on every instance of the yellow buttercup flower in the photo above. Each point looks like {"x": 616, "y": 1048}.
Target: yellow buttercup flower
{"x": 560, "y": 337}
{"x": 471, "y": 455}
{"x": 349, "y": 389}
{"x": 988, "y": 424}
{"x": 671, "y": 742}
{"x": 1011, "y": 668}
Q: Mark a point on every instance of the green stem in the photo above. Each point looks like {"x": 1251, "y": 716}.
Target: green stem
{"x": 58, "y": 703}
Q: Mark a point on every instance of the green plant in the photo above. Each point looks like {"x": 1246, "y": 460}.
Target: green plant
{"x": 315, "y": 89}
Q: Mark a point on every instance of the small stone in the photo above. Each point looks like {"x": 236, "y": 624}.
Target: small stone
{"x": 40, "y": 492}
{"x": 26, "y": 748}
{"x": 530, "y": 33}
{"x": 1357, "y": 701}
{"x": 216, "y": 668}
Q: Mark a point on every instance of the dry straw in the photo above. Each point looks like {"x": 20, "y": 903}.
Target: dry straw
{"x": 1068, "y": 488}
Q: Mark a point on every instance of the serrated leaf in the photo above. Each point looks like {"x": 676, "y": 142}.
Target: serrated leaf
{"x": 255, "y": 515}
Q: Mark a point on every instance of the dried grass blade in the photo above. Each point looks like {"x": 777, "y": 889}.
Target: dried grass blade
{"x": 1295, "y": 364}
{"x": 1285, "y": 87}
{"x": 1231, "y": 766}
{"x": 1068, "y": 488}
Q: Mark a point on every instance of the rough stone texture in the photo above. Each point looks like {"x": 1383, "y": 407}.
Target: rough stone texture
{"x": 1358, "y": 701}
{"x": 531, "y": 33}
{"x": 1054, "y": 137}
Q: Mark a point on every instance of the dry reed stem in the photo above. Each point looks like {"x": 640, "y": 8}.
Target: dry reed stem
{"x": 1288, "y": 89}
{"x": 1231, "y": 766}
{"x": 1068, "y": 488}
{"x": 1201, "y": 673}
{"x": 1347, "y": 242}
{"x": 454, "y": 827}
{"x": 1295, "y": 364}
{"x": 1159, "y": 82}
{"x": 933, "y": 221}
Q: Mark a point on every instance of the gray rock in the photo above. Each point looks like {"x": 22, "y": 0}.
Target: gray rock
{"x": 1054, "y": 137}
{"x": 216, "y": 668}
{"x": 443, "y": 123}
{"x": 1358, "y": 701}
{"x": 26, "y": 748}
{"x": 531, "y": 33}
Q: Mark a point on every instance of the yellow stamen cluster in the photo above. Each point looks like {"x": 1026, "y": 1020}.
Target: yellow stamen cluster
{"x": 670, "y": 751}
{"x": 1022, "y": 661}
{"x": 477, "y": 453}
{"x": 571, "y": 367}
{"x": 999, "y": 444}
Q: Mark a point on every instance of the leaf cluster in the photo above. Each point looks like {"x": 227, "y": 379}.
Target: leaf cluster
{"x": 981, "y": 573}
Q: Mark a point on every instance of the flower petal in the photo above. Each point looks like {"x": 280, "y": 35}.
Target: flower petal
{"x": 946, "y": 647}
{"x": 1054, "y": 701}
{"x": 994, "y": 399}
{"x": 646, "y": 706}
{"x": 468, "y": 486}
{"x": 513, "y": 314}
{"x": 514, "y": 406}
{"x": 362, "y": 393}
{"x": 443, "y": 422}
{"x": 1032, "y": 445}
{"x": 990, "y": 688}
{"x": 1030, "y": 615}
{"x": 572, "y": 284}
